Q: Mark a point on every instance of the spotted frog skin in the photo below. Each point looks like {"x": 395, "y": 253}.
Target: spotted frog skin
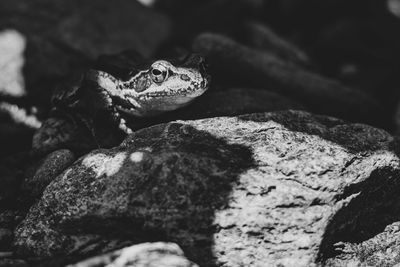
{"x": 145, "y": 91}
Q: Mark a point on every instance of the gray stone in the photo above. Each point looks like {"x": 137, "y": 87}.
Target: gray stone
{"x": 51, "y": 166}
{"x": 262, "y": 189}
{"x": 380, "y": 250}
{"x": 239, "y": 64}
{"x": 12, "y": 46}
{"x": 141, "y": 255}
{"x": 262, "y": 37}
{"x": 394, "y": 7}
{"x": 238, "y": 101}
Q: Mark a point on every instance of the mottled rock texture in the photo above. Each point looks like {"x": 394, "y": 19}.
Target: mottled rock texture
{"x": 380, "y": 250}
{"x": 46, "y": 170}
{"x": 143, "y": 255}
{"x": 262, "y": 189}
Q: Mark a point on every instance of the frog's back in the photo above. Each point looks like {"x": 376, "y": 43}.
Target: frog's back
{"x": 69, "y": 123}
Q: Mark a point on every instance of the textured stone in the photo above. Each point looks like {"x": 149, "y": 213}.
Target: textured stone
{"x": 267, "y": 70}
{"x": 52, "y": 165}
{"x": 381, "y": 250}
{"x": 142, "y": 255}
{"x": 262, "y": 189}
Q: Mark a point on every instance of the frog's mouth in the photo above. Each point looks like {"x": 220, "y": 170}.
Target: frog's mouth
{"x": 189, "y": 92}
{"x": 152, "y": 104}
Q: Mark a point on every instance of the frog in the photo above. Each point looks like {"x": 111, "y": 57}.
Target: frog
{"x": 112, "y": 99}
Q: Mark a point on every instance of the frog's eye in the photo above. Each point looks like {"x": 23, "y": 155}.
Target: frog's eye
{"x": 158, "y": 73}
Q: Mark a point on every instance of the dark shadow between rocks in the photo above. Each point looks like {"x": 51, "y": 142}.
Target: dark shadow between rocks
{"x": 375, "y": 206}
{"x": 169, "y": 194}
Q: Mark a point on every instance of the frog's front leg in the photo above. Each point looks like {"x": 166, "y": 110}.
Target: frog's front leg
{"x": 122, "y": 124}
{"x": 105, "y": 82}
{"x": 107, "y": 86}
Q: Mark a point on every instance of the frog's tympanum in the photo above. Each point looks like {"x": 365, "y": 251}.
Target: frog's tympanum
{"x": 113, "y": 94}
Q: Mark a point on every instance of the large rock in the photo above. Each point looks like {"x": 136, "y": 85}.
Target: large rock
{"x": 12, "y": 46}
{"x": 51, "y": 38}
{"x": 394, "y": 7}
{"x": 46, "y": 170}
{"x": 264, "y": 38}
{"x": 262, "y": 189}
{"x": 381, "y": 250}
{"x": 236, "y": 101}
{"x": 235, "y": 63}
{"x": 142, "y": 255}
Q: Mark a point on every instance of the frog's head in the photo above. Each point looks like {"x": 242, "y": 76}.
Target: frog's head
{"x": 164, "y": 86}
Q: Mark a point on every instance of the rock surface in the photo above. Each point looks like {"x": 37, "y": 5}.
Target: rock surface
{"x": 12, "y": 46}
{"x": 261, "y": 37}
{"x": 142, "y": 255}
{"x": 48, "y": 169}
{"x": 381, "y": 250}
{"x": 237, "y": 101}
{"x": 267, "y": 70}
{"x": 262, "y": 189}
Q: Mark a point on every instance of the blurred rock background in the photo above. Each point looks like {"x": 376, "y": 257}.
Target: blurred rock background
{"x": 336, "y": 58}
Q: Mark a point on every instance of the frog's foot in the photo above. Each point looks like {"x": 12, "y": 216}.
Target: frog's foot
{"x": 124, "y": 127}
